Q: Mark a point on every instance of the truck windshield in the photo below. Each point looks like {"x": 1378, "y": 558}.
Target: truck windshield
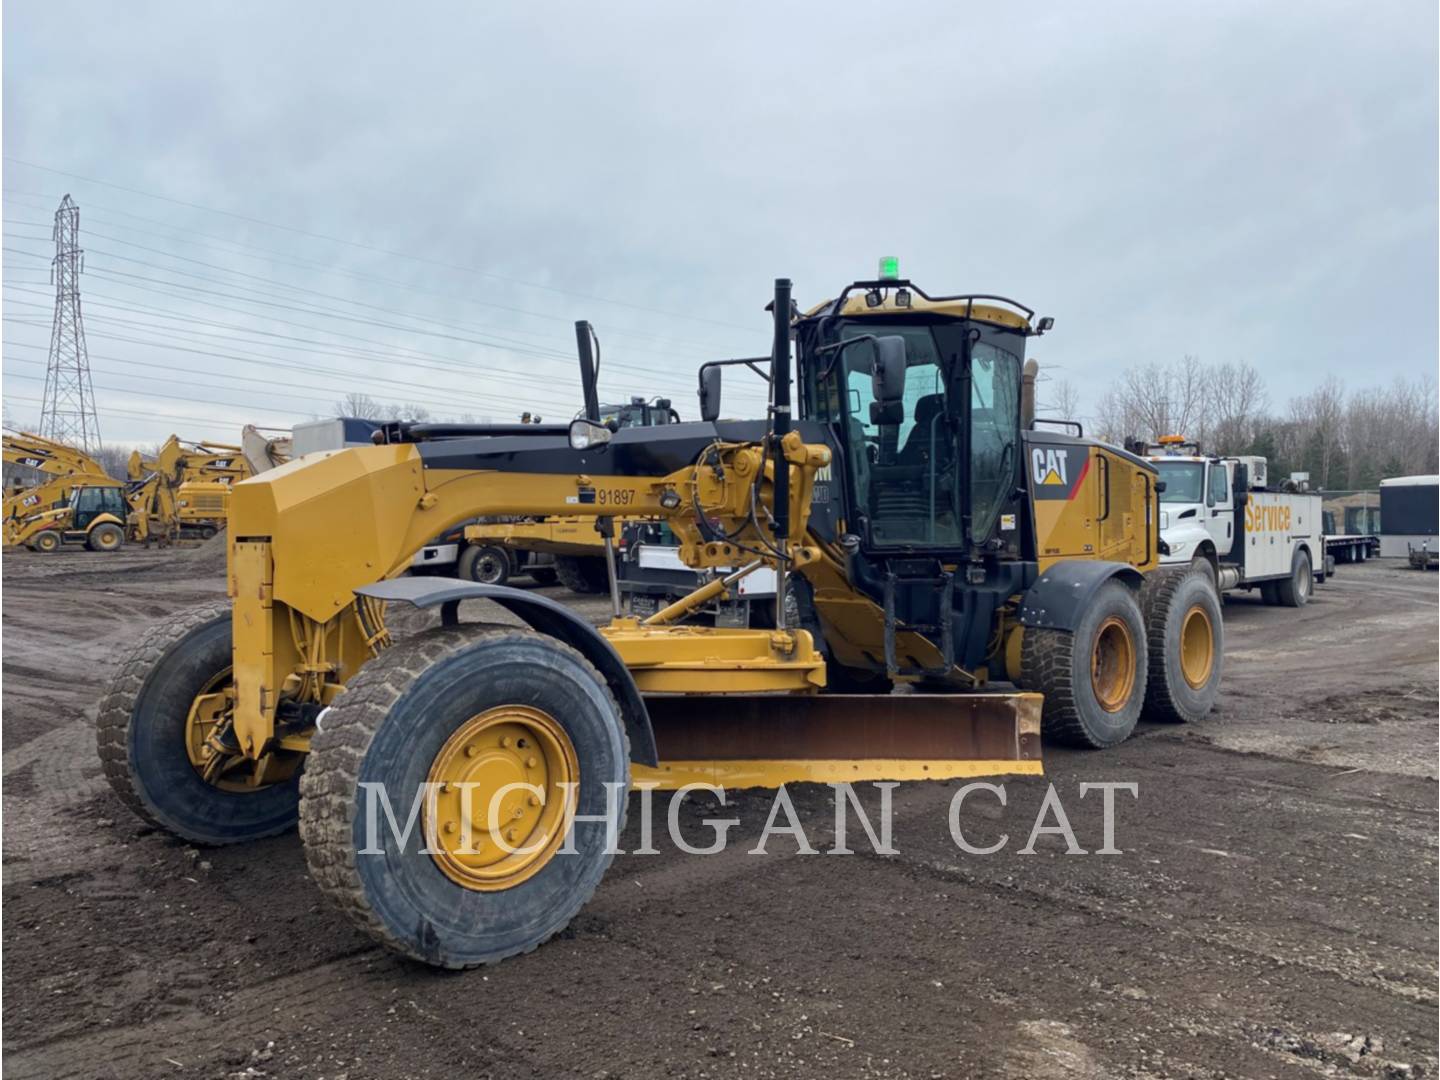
{"x": 1184, "y": 481}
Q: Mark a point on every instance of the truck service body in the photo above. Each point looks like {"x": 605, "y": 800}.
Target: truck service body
{"x": 1221, "y": 511}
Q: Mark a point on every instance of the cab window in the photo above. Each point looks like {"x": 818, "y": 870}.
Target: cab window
{"x": 1219, "y": 489}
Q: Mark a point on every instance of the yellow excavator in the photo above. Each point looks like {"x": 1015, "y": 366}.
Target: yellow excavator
{"x": 183, "y": 490}
{"x": 76, "y": 501}
{"x": 932, "y": 534}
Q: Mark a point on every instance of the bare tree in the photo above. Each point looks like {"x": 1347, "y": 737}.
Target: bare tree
{"x": 365, "y": 407}
{"x": 1237, "y": 401}
{"x": 1061, "y": 401}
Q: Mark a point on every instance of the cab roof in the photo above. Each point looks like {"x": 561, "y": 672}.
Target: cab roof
{"x": 979, "y": 308}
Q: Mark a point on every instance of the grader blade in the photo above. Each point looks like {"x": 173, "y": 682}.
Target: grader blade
{"x": 767, "y": 740}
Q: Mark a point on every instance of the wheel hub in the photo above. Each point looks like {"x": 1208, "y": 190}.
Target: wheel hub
{"x": 210, "y": 744}
{"x": 502, "y": 797}
{"x": 1112, "y": 665}
{"x": 1197, "y": 647}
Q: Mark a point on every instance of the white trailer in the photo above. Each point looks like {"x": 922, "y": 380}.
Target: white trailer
{"x": 1221, "y": 511}
{"x": 1409, "y": 508}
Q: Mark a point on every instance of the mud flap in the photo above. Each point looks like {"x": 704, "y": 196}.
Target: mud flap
{"x": 767, "y": 740}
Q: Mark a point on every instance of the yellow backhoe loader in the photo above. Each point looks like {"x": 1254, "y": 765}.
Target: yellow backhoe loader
{"x": 929, "y": 534}
{"x": 75, "y": 502}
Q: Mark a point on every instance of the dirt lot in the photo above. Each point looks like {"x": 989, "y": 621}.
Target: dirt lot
{"x": 1273, "y": 913}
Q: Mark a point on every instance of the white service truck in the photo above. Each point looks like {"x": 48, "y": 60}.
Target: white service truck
{"x": 1221, "y": 511}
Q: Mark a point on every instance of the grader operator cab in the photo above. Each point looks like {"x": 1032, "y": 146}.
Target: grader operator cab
{"x": 930, "y": 537}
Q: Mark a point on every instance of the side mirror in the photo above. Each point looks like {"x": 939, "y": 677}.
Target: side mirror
{"x": 887, "y": 380}
{"x": 587, "y": 434}
{"x": 710, "y": 392}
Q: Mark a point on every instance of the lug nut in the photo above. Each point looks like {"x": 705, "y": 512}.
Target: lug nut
{"x": 505, "y": 742}
{"x": 531, "y": 762}
{"x": 533, "y": 801}
{"x": 451, "y": 826}
{"x": 471, "y": 750}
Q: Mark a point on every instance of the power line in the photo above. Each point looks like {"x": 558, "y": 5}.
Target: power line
{"x": 374, "y": 247}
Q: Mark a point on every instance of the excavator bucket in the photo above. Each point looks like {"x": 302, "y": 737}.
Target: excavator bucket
{"x": 765, "y": 740}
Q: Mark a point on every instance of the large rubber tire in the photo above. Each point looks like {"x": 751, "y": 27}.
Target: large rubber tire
{"x": 543, "y": 575}
{"x": 141, "y": 736}
{"x": 1185, "y": 642}
{"x": 106, "y": 536}
{"x": 1295, "y": 590}
{"x": 1267, "y": 593}
{"x": 46, "y": 541}
{"x": 582, "y": 575}
{"x": 485, "y": 563}
{"x": 1058, "y": 664}
{"x": 388, "y": 727}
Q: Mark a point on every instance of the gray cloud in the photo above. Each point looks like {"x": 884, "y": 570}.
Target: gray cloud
{"x": 1250, "y": 182}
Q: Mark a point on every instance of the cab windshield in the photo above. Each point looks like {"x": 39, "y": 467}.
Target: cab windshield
{"x": 1184, "y": 481}
{"x": 907, "y": 475}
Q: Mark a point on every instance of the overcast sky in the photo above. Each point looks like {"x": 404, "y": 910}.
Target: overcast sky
{"x": 1237, "y": 181}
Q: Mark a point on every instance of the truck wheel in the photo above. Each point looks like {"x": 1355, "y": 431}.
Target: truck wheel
{"x": 164, "y": 701}
{"x": 106, "y": 536}
{"x": 543, "y": 575}
{"x": 1295, "y": 590}
{"x": 582, "y": 574}
{"x": 487, "y": 564}
{"x": 467, "y": 711}
{"x": 46, "y": 540}
{"x": 1094, "y": 678}
{"x": 1267, "y": 592}
{"x": 1185, "y": 641}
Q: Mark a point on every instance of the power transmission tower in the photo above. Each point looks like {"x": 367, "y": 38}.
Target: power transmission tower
{"x": 67, "y": 413}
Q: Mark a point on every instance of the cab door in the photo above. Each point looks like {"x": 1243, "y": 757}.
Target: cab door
{"x": 85, "y": 506}
{"x": 1219, "y": 507}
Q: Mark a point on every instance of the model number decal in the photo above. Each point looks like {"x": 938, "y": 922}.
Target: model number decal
{"x": 617, "y": 497}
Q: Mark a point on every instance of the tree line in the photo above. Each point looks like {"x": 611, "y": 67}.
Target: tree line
{"x": 1345, "y": 439}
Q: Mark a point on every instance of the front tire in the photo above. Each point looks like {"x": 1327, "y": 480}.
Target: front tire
{"x": 46, "y": 541}
{"x": 1295, "y": 590}
{"x": 143, "y": 728}
{"x": 1094, "y": 678}
{"x": 1185, "y": 641}
{"x": 396, "y": 728}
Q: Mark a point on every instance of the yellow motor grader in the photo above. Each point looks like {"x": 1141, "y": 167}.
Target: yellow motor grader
{"x": 931, "y": 537}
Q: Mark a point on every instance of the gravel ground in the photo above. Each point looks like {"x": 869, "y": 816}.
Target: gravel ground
{"x": 1272, "y": 914}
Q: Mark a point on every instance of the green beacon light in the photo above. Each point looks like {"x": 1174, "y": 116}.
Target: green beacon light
{"x": 889, "y": 268}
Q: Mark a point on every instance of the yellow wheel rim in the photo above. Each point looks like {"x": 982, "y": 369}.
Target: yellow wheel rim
{"x": 210, "y": 708}
{"x": 480, "y": 838}
{"x": 109, "y": 540}
{"x": 48, "y": 542}
{"x": 1197, "y": 647}
{"x": 1112, "y": 665}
